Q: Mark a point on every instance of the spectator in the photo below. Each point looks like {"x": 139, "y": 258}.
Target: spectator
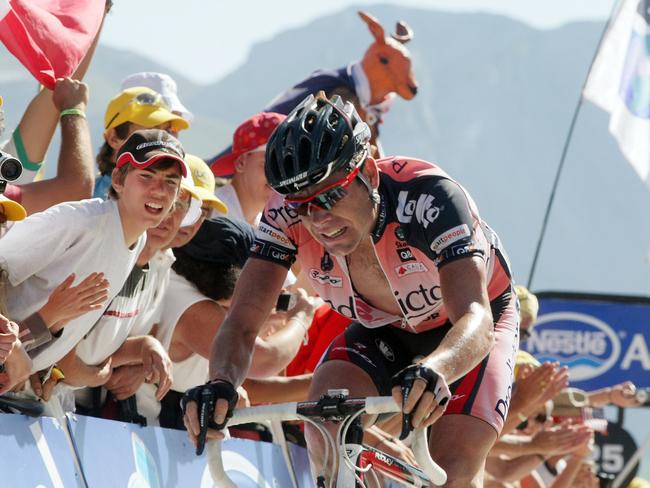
{"x": 535, "y": 384}
{"x": 10, "y": 211}
{"x": 132, "y": 310}
{"x": 15, "y": 364}
{"x": 204, "y": 185}
{"x": 201, "y": 286}
{"x": 131, "y": 110}
{"x": 92, "y": 236}
{"x": 163, "y": 84}
{"x": 248, "y": 191}
{"x": 74, "y": 178}
{"x": 528, "y": 309}
{"x": 30, "y": 140}
{"x": 621, "y": 395}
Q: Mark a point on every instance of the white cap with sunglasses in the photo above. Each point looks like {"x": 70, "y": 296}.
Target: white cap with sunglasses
{"x": 163, "y": 84}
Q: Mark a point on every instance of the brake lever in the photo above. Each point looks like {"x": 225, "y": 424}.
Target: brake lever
{"x": 206, "y": 406}
{"x": 407, "y": 386}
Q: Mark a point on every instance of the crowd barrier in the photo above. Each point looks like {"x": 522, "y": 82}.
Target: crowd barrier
{"x": 78, "y": 451}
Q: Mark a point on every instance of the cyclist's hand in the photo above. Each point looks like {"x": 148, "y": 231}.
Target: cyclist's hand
{"x": 206, "y": 409}
{"x": 423, "y": 394}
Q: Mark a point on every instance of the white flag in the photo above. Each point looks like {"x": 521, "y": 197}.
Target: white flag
{"x": 619, "y": 82}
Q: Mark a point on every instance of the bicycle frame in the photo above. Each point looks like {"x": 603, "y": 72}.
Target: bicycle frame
{"x": 316, "y": 410}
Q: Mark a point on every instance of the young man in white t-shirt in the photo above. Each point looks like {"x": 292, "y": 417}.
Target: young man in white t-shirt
{"x": 92, "y": 235}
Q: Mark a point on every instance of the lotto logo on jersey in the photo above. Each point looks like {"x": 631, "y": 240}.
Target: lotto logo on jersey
{"x": 422, "y": 208}
{"x": 408, "y": 268}
{"x": 449, "y": 237}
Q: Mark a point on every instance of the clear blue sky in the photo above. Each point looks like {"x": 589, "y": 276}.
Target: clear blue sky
{"x": 206, "y": 39}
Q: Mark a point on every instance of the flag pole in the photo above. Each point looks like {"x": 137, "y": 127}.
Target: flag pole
{"x": 565, "y": 149}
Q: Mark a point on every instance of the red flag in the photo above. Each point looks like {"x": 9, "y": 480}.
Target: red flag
{"x": 50, "y": 37}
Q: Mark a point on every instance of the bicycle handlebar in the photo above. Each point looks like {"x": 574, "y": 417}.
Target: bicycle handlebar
{"x": 290, "y": 411}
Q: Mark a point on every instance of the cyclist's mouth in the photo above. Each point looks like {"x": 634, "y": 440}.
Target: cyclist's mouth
{"x": 335, "y": 234}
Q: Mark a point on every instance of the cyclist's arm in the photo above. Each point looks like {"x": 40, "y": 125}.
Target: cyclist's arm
{"x": 278, "y": 389}
{"x": 255, "y": 295}
{"x": 200, "y": 323}
{"x": 464, "y": 293}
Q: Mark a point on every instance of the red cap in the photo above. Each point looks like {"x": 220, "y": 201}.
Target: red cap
{"x": 250, "y": 135}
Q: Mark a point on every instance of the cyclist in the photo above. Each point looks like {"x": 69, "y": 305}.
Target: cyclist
{"x": 398, "y": 246}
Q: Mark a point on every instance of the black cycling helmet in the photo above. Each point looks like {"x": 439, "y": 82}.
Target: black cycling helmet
{"x": 318, "y": 137}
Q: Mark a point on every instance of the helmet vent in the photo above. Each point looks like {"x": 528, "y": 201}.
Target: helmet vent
{"x": 304, "y": 152}
{"x": 310, "y": 122}
{"x": 324, "y": 145}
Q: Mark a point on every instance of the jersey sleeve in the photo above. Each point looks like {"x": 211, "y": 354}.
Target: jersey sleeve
{"x": 438, "y": 220}
{"x": 273, "y": 237}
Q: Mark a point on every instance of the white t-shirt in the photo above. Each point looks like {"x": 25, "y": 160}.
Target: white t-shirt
{"x": 130, "y": 312}
{"x": 42, "y": 250}
{"x": 228, "y": 195}
{"x": 180, "y": 295}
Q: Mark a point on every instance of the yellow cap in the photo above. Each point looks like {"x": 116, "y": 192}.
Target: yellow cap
{"x": 204, "y": 182}
{"x": 529, "y": 306}
{"x": 524, "y": 357}
{"x": 13, "y": 210}
{"x": 142, "y": 106}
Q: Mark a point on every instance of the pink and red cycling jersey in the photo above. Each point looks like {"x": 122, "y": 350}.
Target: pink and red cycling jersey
{"x": 425, "y": 220}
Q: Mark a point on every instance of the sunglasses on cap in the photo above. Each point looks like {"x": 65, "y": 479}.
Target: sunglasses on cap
{"x": 329, "y": 196}
{"x": 151, "y": 99}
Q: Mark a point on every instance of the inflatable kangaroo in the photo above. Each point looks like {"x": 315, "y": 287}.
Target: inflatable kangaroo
{"x": 370, "y": 84}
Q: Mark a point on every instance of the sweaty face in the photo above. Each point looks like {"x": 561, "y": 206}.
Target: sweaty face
{"x": 347, "y": 223}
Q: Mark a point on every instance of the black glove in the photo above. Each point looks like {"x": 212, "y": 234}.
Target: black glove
{"x": 206, "y": 397}
{"x": 434, "y": 383}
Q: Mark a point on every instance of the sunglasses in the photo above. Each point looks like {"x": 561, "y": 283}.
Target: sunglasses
{"x": 324, "y": 199}
{"x": 540, "y": 418}
{"x": 151, "y": 99}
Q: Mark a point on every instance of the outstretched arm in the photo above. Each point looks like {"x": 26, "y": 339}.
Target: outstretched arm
{"x": 75, "y": 173}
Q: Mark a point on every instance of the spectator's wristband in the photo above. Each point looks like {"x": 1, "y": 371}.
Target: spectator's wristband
{"x": 73, "y": 111}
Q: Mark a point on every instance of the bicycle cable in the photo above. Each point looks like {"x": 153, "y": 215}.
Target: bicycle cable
{"x": 329, "y": 444}
{"x": 341, "y": 436}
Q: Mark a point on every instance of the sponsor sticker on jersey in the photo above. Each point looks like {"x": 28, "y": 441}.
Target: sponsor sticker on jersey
{"x": 422, "y": 209}
{"x": 269, "y": 234}
{"x": 405, "y": 254}
{"x": 385, "y": 349}
{"x": 408, "y": 268}
{"x": 278, "y": 254}
{"x": 449, "y": 237}
{"x": 325, "y": 279}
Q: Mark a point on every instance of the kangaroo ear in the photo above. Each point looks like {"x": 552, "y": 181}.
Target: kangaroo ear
{"x": 403, "y": 33}
{"x": 374, "y": 26}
